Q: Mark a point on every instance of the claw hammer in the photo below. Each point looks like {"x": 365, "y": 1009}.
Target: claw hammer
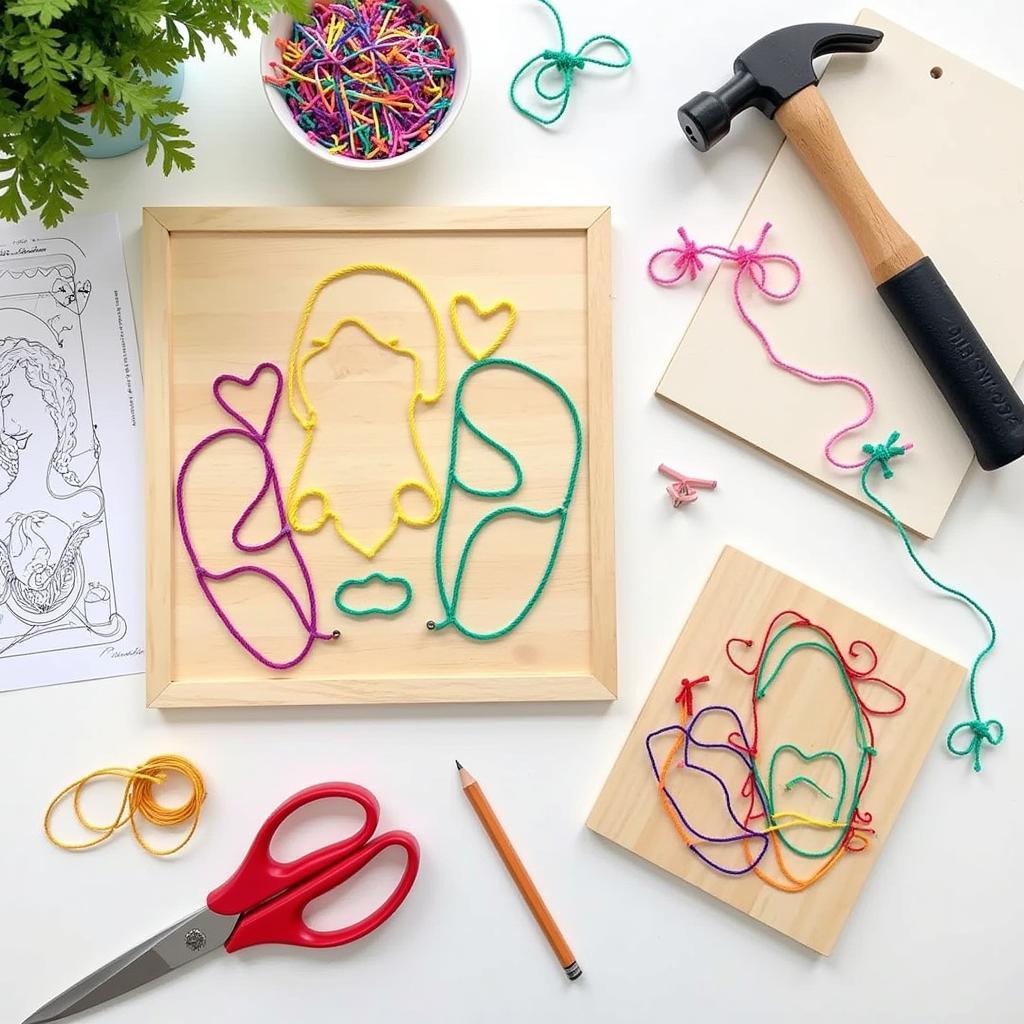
{"x": 776, "y": 76}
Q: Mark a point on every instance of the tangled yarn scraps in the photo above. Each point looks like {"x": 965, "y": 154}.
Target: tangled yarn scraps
{"x": 366, "y": 79}
{"x": 450, "y": 597}
{"x": 246, "y": 431}
{"x": 566, "y": 64}
{"x": 137, "y": 800}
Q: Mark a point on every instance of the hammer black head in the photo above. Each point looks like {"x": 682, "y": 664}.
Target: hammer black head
{"x": 769, "y": 73}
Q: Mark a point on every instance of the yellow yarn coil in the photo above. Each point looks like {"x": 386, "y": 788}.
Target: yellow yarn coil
{"x": 305, "y": 413}
{"x": 139, "y": 799}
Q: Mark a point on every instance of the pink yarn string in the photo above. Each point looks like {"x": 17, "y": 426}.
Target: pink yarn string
{"x": 753, "y": 265}
{"x": 271, "y": 483}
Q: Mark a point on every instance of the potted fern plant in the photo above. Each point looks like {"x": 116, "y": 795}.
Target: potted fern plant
{"x": 72, "y": 71}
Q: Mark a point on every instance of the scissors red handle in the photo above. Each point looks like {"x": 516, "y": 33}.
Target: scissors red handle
{"x": 270, "y": 896}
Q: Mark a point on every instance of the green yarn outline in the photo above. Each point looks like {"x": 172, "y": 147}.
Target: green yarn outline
{"x": 983, "y": 730}
{"x": 761, "y": 687}
{"x": 362, "y": 581}
{"x": 566, "y": 62}
{"x": 450, "y": 601}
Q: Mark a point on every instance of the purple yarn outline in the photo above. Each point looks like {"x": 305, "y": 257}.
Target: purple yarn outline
{"x": 270, "y": 481}
{"x": 745, "y": 833}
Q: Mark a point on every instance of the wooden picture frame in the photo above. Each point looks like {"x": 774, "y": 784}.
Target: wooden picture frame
{"x": 176, "y": 239}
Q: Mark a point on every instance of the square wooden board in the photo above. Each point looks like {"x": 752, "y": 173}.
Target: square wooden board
{"x": 740, "y": 599}
{"x": 964, "y": 204}
{"x": 223, "y": 292}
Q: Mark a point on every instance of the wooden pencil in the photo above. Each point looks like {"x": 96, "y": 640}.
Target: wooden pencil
{"x": 519, "y": 874}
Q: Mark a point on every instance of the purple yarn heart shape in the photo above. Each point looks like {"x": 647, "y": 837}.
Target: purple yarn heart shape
{"x": 245, "y": 383}
{"x": 271, "y": 484}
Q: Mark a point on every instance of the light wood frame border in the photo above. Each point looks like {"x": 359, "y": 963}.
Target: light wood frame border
{"x": 158, "y": 225}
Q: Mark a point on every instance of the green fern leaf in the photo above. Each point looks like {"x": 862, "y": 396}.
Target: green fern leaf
{"x": 45, "y": 10}
{"x": 12, "y": 204}
{"x": 171, "y": 140}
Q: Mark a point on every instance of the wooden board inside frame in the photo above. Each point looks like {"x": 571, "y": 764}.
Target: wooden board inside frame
{"x": 224, "y": 288}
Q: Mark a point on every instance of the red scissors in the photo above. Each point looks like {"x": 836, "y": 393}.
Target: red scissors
{"x": 261, "y": 903}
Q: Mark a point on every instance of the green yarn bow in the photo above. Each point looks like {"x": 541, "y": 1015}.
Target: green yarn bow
{"x": 882, "y": 454}
{"x": 981, "y": 730}
{"x": 561, "y": 60}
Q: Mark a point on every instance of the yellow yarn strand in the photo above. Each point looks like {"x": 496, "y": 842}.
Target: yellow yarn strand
{"x": 306, "y": 416}
{"x": 139, "y": 799}
{"x": 794, "y": 818}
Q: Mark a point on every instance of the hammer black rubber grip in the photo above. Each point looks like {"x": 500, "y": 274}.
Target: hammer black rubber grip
{"x": 976, "y": 389}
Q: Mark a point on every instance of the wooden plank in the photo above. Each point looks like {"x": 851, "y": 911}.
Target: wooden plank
{"x": 376, "y": 219}
{"x": 604, "y": 645}
{"x": 837, "y": 323}
{"x": 740, "y": 599}
{"x": 304, "y": 690}
{"x": 236, "y": 283}
{"x": 159, "y": 473}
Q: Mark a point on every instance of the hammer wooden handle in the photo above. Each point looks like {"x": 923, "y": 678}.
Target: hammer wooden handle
{"x": 810, "y": 127}
{"x": 965, "y": 371}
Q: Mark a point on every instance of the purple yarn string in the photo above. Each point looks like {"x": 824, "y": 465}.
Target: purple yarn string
{"x": 271, "y": 482}
{"x": 745, "y": 833}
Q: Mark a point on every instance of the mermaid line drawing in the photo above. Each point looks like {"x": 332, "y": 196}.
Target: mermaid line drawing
{"x": 43, "y": 576}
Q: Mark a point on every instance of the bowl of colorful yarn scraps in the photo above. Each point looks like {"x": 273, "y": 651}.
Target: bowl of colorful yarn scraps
{"x": 367, "y": 83}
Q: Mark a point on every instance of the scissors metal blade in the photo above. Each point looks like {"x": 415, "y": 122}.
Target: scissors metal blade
{"x": 180, "y": 944}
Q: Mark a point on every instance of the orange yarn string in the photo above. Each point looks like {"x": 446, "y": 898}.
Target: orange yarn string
{"x": 138, "y": 799}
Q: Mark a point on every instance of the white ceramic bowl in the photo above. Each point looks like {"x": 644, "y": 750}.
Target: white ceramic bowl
{"x": 455, "y": 35}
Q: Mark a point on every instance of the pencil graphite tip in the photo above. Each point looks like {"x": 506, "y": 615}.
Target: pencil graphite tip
{"x": 458, "y": 764}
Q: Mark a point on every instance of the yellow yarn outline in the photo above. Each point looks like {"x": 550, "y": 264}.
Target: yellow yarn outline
{"x": 306, "y": 415}
{"x": 483, "y": 313}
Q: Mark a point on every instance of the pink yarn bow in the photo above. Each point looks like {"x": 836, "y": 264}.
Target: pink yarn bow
{"x": 753, "y": 265}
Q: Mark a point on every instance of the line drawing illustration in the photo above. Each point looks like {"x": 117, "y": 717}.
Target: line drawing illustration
{"x": 57, "y": 583}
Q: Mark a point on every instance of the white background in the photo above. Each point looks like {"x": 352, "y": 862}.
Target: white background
{"x": 935, "y": 935}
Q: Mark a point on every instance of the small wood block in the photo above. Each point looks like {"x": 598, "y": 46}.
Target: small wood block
{"x": 740, "y": 599}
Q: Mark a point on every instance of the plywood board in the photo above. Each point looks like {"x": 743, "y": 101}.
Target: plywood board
{"x": 964, "y": 204}
{"x": 807, "y": 709}
{"x": 223, "y": 292}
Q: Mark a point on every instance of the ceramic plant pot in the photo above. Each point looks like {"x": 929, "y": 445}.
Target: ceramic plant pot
{"x": 101, "y": 145}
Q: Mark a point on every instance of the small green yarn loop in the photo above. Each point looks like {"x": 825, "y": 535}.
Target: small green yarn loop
{"x": 567, "y": 64}
{"x": 807, "y": 782}
{"x": 981, "y": 730}
{"x": 362, "y": 581}
{"x": 450, "y": 600}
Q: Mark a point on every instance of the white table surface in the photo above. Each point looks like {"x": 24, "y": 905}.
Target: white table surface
{"x": 935, "y": 935}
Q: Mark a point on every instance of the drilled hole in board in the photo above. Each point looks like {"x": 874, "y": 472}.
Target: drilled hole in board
{"x": 936, "y": 72}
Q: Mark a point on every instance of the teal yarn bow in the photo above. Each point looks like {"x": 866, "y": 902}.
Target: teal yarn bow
{"x": 980, "y": 730}
{"x": 567, "y": 64}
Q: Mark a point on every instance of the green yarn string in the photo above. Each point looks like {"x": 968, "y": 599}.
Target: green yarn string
{"x": 450, "y": 600}
{"x": 980, "y": 730}
{"x": 809, "y": 782}
{"x": 567, "y": 64}
{"x": 362, "y": 581}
